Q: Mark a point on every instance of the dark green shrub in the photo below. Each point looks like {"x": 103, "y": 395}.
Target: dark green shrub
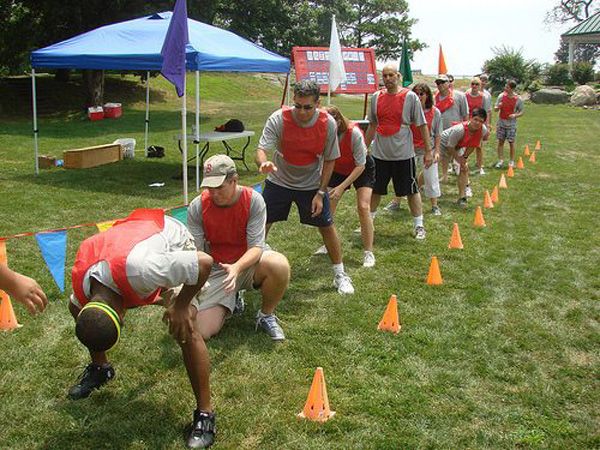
{"x": 582, "y": 72}
{"x": 558, "y": 75}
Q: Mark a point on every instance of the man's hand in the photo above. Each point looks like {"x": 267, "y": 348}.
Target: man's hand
{"x": 436, "y": 157}
{"x": 512, "y": 116}
{"x": 316, "y": 207}
{"x": 462, "y": 161}
{"x": 336, "y": 192}
{"x": 267, "y": 167}
{"x": 230, "y": 280}
{"x": 181, "y": 322}
{"x": 27, "y": 291}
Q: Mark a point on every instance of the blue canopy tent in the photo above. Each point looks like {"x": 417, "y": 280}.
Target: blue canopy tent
{"x": 136, "y": 45}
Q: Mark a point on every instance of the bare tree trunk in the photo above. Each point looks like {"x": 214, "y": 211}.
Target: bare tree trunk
{"x": 94, "y": 86}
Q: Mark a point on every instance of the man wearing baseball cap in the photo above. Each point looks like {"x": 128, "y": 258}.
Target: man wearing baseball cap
{"x": 228, "y": 221}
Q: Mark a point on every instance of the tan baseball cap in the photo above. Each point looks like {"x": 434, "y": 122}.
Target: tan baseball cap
{"x": 216, "y": 169}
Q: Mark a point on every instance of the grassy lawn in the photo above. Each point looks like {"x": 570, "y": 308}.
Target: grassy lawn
{"x": 504, "y": 354}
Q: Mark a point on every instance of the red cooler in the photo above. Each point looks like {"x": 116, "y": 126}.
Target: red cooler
{"x": 112, "y": 110}
{"x": 95, "y": 113}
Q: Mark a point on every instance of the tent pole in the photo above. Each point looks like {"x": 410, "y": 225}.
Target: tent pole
{"x": 287, "y": 80}
{"x": 197, "y": 133}
{"x": 35, "y": 128}
{"x": 184, "y": 139}
{"x": 147, "y": 121}
{"x": 365, "y": 106}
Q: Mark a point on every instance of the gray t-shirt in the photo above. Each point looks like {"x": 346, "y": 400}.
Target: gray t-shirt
{"x": 164, "y": 260}
{"x": 301, "y": 178}
{"x": 255, "y": 230}
{"x": 452, "y": 136}
{"x": 488, "y": 95}
{"x": 509, "y": 123}
{"x": 398, "y": 146}
{"x": 457, "y": 111}
{"x": 436, "y": 130}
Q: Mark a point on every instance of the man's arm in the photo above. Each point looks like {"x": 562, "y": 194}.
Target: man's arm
{"x": 428, "y": 157}
{"x": 23, "y": 289}
{"x": 263, "y": 163}
{"x": 370, "y": 134}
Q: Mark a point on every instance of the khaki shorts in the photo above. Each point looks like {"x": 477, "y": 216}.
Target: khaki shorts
{"x": 214, "y": 294}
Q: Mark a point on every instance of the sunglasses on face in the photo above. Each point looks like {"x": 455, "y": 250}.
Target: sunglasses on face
{"x": 438, "y": 82}
{"x": 474, "y": 84}
{"x": 304, "y": 107}
{"x": 420, "y": 94}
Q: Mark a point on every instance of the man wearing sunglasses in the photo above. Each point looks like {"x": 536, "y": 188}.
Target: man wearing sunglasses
{"x": 304, "y": 146}
{"x": 391, "y": 114}
{"x": 453, "y": 106}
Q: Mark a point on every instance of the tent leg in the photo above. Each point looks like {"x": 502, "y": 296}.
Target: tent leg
{"x": 147, "y": 120}
{"x": 184, "y": 138}
{"x": 35, "y": 127}
{"x": 287, "y": 80}
{"x": 197, "y": 133}
{"x": 365, "y": 106}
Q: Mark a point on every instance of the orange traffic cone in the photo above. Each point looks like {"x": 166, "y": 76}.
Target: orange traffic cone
{"x": 532, "y": 158}
{"x": 455, "y": 240}
{"x": 526, "y": 152}
{"x": 479, "y": 220}
{"x": 495, "y": 195}
{"x": 317, "y": 403}
{"x": 510, "y": 172}
{"x": 520, "y": 164}
{"x": 538, "y": 145}
{"x": 502, "y": 184}
{"x": 434, "y": 277}
{"x": 487, "y": 200}
{"x": 8, "y": 320}
{"x": 3, "y": 259}
{"x": 390, "y": 320}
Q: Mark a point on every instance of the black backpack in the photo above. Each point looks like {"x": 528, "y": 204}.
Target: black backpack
{"x": 156, "y": 151}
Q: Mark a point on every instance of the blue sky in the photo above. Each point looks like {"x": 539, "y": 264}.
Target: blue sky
{"x": 469, "y": 29}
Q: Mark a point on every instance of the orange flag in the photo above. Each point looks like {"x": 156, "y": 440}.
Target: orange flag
{"x": 442, "y": 62}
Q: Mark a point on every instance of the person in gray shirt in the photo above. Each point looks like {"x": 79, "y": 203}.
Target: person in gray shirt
{"x": 304, "y": 146}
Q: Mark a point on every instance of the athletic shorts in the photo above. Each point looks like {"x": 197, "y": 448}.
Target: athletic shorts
{"x": 213, "y": 294}
{"x": 279, "y": 200}
{"x": 402, "y": 173}
{"x": 506, "y": 133}
{"x": 365, "y": 179}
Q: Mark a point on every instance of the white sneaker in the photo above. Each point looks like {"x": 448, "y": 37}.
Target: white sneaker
{"x": 468, "y": 191}
{"x": 511, "y": 163}
{"x": 357, "y": 230}
{"x": 499, "y": 164}
{"x": 369, "y": 259}
{"x": 420, "y": 233}
{"x": 456, "y": 167}
{"x": 392, "y": 206}
{"x": 322, "y": 250}
{"x": 436, "y": 211}
{"x": 481, "y": 171}
{"x": 343, "y": 283}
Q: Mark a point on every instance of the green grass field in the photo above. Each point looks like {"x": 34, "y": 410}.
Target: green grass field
{"x": 504, "y": 354}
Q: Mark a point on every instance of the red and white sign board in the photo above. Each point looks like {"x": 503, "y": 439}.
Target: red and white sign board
{"x": 361, "y": 73}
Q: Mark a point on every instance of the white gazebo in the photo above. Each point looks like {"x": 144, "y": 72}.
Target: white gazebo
{"x": 586, "y": 32}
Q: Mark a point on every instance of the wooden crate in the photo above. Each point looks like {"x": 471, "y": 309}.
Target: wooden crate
{"x": 83, "y": 158}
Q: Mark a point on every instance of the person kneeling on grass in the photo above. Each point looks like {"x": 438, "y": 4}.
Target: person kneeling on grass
{"x": 459, "y": 141}
{"x": 354, "y": 167}
{"x": 133, "y": 264}
{"x": 228, "y": 221}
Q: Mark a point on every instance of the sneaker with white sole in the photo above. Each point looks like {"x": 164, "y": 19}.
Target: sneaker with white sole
{"x": 369, "y": 259}
{"x": 269, "y": 324}
{"x": 357, "y": 230}
{"x": 511, "y": 163}
{"x": 481, "y": 171}
{"x": 343, "y": 283}
{"x": 499, "y": 164}
{"x": 462, "y": 202}
{"x": 392, "y": 206}
{"x": 468, "y": 191}
{"x": 436, "y": 211}
{"x": 322, "y": 250}
{"x": 202, "y": 434}
{"x": 240, "y": 303}
{"x": 420, "y": 233}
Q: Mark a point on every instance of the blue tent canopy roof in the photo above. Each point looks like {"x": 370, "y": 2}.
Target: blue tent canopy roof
{"x": 136, "y": 44}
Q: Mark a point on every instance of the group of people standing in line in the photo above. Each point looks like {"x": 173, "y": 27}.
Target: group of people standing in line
{"x": 311, "y": 156}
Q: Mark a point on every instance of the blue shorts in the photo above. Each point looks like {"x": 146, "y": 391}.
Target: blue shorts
{"x": 279, "y": 200}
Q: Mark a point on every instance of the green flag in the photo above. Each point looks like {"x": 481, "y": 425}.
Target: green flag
{"x": 404, "y": 68}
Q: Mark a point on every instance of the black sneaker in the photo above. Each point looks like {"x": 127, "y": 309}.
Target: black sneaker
{"x": 240, "y": 303}
{"x": 203, "y": 430}
{"x": 93, "y": 377}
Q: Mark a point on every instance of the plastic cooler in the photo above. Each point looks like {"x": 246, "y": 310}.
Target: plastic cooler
{"x": 95, "y": 113}
{"x": 128, "y": 146}
{"x": 112, "y": 110}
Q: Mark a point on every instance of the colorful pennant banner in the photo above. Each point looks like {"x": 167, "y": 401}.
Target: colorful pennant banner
{"x": 54, "y": 251}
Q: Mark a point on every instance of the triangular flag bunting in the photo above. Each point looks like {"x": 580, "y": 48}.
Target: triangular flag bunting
{"x": 180, "y": 214}
{"x": 54, "y": 250}
{"x": 103, "y": 226}
{"x": 8, "y": 320}
{"x": 258, "y": 188}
